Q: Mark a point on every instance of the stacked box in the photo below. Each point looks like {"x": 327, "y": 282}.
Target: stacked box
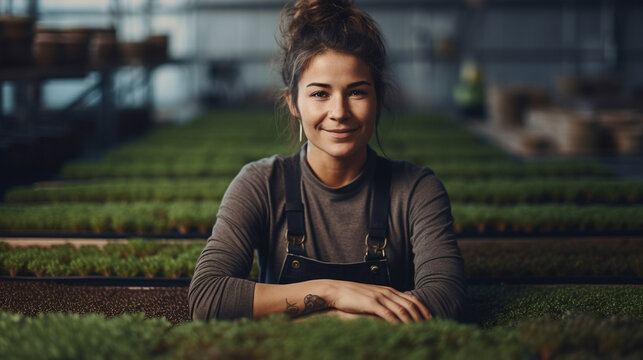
{"x": 509, "y": 104}
{"x": 571, "y": 131}
{"x": 16, "y": 41}
{"x": 625, "y": 128}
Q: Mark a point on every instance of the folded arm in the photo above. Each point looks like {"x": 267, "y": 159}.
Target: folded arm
{"x": 343, "y": 298}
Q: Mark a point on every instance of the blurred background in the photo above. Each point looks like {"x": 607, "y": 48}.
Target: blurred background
{"x": 540, "y": 78}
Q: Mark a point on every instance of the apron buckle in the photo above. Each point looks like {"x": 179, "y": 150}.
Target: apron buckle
{"x": 295, "y": 243}
{"x": 375, "y": 248}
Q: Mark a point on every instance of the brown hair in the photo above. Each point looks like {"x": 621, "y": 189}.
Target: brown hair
{"x": 310, "y": 27}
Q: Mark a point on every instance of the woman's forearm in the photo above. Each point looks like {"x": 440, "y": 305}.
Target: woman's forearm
{"x": 349, "y": 297}
{"x": 292, "y": 299}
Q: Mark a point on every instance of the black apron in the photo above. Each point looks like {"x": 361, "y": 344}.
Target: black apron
{"x": 298, "y": 267}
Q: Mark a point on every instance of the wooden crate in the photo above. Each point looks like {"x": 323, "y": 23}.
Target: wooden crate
{"x": 571, "y": 131}
{"x": 509, "y": 104}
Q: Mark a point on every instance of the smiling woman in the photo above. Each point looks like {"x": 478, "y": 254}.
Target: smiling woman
{"x": 337, "y": 228}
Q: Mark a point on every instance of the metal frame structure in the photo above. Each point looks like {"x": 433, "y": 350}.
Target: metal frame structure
{"x": 27, "y": 83}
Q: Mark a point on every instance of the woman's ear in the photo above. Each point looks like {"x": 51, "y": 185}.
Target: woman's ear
{"x": 292, "y": 106}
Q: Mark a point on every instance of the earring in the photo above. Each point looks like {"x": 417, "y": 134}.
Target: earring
{"x": 300, "y": 130}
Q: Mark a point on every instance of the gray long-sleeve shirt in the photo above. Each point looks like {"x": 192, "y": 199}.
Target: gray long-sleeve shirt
{"x": 422, "y": 251}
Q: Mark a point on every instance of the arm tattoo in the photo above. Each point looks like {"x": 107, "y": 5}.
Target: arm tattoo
{"x": 291, "y": 309}
{"x": 313, "y": 303}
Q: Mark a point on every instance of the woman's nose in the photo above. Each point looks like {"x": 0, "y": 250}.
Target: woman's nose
{"x": 339, "y": 108}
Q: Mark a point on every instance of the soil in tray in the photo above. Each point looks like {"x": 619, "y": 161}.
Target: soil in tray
{"x": 31, "y": 298}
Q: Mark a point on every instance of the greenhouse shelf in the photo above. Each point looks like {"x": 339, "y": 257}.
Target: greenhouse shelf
{"x": 106, "y": 235}
{"x": 554, "y": 280}
{"x": 118, "y": 281}
{"x": 469, "y": 234}
{"x": 139, "y": 281}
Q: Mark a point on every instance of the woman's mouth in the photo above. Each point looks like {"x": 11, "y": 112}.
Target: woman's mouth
{"x": 340, "y": 133}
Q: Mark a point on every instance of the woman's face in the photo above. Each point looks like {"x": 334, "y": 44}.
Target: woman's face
{"x": 337, "y": 105}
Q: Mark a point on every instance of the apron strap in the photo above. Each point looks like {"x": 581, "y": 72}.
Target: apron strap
{"x": 295, "y": 235}
{"x": 376, "y": 240}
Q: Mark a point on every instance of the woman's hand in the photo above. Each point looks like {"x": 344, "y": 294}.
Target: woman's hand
{"x": 384, "y": 302}
{"x": 346, "y": 315}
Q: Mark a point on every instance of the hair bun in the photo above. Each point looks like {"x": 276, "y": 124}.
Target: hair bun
{"x": 319, "y": 12}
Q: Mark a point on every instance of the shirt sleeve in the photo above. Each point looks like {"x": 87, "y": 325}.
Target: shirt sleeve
{"x": 439, "y": 267}
{"x": 219, "y": 287}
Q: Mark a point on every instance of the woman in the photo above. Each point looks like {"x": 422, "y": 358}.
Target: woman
{"x": 337, "y": 228}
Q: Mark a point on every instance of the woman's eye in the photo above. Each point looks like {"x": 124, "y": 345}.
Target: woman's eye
{"x": 319, "y": 94}
{"x": 358, "y": 92}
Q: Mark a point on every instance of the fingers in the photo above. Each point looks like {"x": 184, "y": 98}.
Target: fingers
{"x": 402, "y": 309}
{"x": 395, "y": 306}
{"x": 426, "y": 314}
{"x": 384, "y": 302}
{"x": 407, "y": 305}
{"x": 381, "y": 308}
